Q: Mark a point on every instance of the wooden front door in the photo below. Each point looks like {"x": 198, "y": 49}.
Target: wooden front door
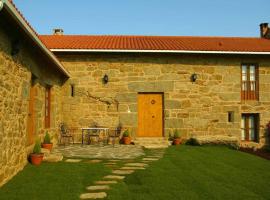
{"x": 31, "y": 117}
{"x": 150, "y": 115}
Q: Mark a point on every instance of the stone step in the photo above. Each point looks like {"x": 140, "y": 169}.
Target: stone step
{"x": 152, "y": 143}
{"x": 53, "y": 157}
{"x": 136, "y": 164}
{"x": 98, "y": 187}
{"x": 114, "y": 177}
{"x": 132, "y": 168}
{"x": 105, "y": 182}
{"x": 151, "y": 139}
{"x": 73, "y": 160}
{"x": 122, "y": 172}
{"x": 94, "y": 195}
{"x": 150, "y": 159}
{"x": 155, "y": 146}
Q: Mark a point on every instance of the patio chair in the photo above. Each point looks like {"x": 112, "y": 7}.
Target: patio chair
{"x": 93, "y": 135}
{"x": 65, "y": 133}
{"x": 115, "y": 134}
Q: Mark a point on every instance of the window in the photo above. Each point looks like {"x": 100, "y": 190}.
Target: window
{"x": 250, "y": 82}
{"x": 72, "y": 90}
{"x": 249, "y": 127}
{"x": 230, "y": 116}
{"x": 47, "y": 106}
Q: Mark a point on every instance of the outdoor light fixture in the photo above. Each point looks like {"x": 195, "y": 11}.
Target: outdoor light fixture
{"x": 128, "y": 110}
{"x": 193, "y": 77}
{"x": 105, "y": 79}
{"x": 15, "y": 47}
{"x": 1, "y": 5}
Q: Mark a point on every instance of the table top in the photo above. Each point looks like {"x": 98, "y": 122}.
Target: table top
{"x": 95, "y": 128}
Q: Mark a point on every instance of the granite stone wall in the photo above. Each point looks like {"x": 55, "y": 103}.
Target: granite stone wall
{"x": 199, "y": 108}
{"x": 15, "y": 81}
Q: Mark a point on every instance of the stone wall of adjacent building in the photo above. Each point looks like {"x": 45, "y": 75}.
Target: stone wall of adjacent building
{"x": 199, "y": 108}
{"x": 15, "y": 81}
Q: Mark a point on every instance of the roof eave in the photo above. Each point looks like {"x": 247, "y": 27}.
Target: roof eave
{"x": 162, "y": 51}
{"x": 14, "y": 13}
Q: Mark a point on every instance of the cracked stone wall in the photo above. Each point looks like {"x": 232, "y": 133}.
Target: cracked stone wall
{"x": 199, "y": 108}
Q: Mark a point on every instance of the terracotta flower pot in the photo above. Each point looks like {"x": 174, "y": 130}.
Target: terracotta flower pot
{"x": 177, "y": 141}
{"x": 126, "y": 140}
{"x": 36, "y": 159}
{"x": 47, "y": 146}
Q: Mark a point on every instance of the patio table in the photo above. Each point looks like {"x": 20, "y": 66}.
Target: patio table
{"x": 88, "y": 130}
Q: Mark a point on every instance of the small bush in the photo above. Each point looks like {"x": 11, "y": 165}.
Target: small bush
{"x": 126, "y": 133}
{"x": 267, "y": 149}
{"x": 37, "y": 147}
{"x": 192, "y": 142}
{"x": 230, "y": 142}
{"x": 47, "y": 138}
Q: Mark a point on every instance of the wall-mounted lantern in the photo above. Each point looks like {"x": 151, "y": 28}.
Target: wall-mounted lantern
{"x": 128, "y": 110}
{"x": 105, "y": 79}
{"x": 1, "y": 5}
{"x": 193, "y": 77}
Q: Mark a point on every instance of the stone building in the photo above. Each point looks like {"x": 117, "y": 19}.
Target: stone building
{"x": 28, "y": 71}
{"x": 202, "y": 86}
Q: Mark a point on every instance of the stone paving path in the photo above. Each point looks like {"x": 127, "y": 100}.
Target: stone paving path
{"x": 114, "y": 153}
{"x": 98, "y": 190}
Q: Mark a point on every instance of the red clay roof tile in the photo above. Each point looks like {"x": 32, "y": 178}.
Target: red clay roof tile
{"x": 174, "y": 43}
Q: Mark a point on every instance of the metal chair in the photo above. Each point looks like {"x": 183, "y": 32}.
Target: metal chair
{"x": 114, "y": 134}
{"x": 65, "y": 133}
{"x": 93, "y": 135}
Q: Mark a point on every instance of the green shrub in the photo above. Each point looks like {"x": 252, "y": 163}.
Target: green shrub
{"x": 126, "y": 133}
{"x": 267, "y": 149}
{"x": 192, "y": 142}
{"x": 47, "y": 138}
{"x": 37, "y": 147}
{"x": 176, "y": 134}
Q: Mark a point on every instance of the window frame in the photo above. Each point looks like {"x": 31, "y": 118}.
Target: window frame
{"x": 247, "y": 129}
{"x": 47, "y": 106}
{"x": 250, "y": 94}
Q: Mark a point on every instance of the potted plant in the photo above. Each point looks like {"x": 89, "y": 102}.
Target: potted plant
{"x": 47, "y": 142}
{"x": 36, "y": 157}
{"x": 177, "y": 137}
{"x": 126, "y": 137}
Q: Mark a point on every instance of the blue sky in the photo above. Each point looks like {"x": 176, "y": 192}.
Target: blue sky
{"x": 147, "y": 17}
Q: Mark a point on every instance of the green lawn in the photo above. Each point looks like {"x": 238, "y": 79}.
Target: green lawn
{"x": 52, "y": 181}
{"x": 185, "y": 172}
{"x": 188, "y": 172}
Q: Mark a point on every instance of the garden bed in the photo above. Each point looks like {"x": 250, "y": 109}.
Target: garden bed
{"x": 259, "y": 152}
